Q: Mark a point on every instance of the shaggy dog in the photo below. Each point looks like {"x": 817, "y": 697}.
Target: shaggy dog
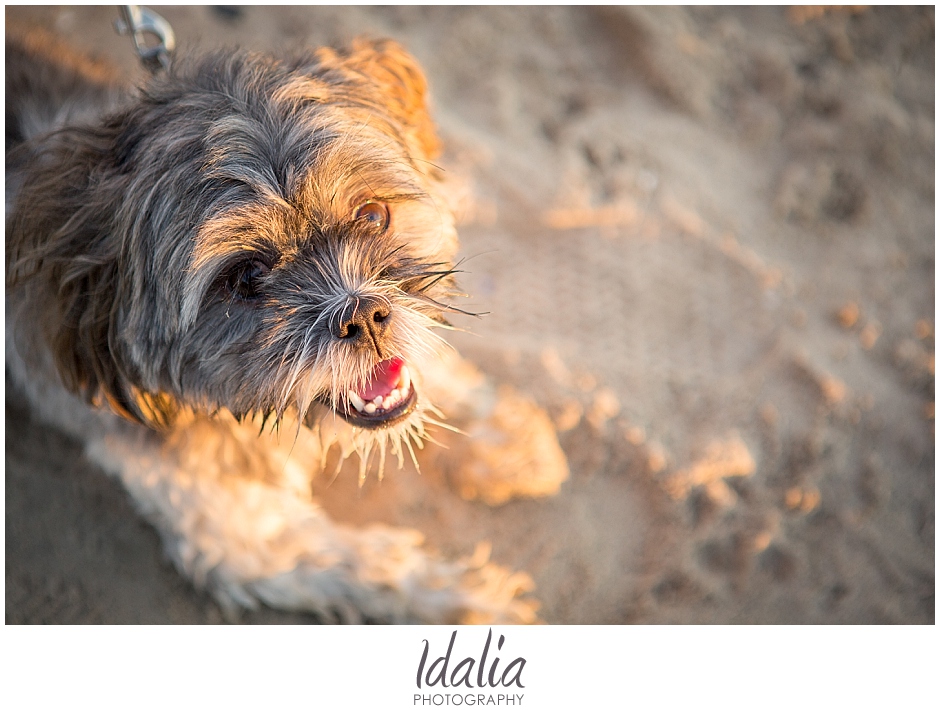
{"x": 214, "y": 279}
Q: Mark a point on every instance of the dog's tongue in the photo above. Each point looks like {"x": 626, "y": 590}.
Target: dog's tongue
{"x": 384, "y": 378}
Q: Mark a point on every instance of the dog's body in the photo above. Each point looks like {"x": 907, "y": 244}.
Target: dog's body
{"x": 215, "y": 279}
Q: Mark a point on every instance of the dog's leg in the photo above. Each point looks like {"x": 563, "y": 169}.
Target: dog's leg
{"x": 238, "y": 519}
{"x": 511, "y": 447}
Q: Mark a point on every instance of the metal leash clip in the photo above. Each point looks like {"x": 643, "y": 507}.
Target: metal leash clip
{"x": 140, "y": 22}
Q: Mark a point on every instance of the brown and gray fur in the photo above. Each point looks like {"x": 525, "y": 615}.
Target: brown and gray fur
{"x": 134, "y": 221}
{"x": 186, "y": 255}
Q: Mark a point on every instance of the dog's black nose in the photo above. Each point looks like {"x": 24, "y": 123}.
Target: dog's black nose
{"x": 365, "y": 324}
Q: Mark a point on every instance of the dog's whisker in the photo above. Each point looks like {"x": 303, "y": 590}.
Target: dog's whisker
{"x": 411, "y": 451}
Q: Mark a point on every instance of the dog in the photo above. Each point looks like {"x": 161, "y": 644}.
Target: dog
{"x": 218, "y": 277}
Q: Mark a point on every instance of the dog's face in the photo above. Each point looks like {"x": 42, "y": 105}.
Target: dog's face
{"x": 251, "y": 235}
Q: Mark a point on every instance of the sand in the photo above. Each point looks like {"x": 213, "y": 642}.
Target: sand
{"x": 705, "y": 240}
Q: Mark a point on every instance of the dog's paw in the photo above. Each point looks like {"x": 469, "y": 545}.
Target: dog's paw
{"x": 510, "y": 448}
{"x": 250, "y": 539}
{"x": 493, "y": 594}
{"x": 380, "y": 574}
{"x": 510, "y": 452}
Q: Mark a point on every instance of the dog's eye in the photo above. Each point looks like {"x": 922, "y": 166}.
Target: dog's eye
{"x": 243, "y": 279}
{"x": 374, "y": 212}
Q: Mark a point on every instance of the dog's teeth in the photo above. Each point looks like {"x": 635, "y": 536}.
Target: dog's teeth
{"x": 386, "y": 402}
{"x": 355, "y": 400}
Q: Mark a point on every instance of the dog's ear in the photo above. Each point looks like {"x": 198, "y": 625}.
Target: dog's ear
{"x": 400, "y": 82}
{"x": 64, "y": 257}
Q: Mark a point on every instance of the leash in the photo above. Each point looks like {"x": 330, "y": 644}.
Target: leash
{"x": 143, "y": 25}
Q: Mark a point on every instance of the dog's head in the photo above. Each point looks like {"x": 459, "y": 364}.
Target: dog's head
{"x": 250, "y": 234}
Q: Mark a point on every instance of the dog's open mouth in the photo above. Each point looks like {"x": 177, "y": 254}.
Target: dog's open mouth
{"x": 388, "y": 397}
